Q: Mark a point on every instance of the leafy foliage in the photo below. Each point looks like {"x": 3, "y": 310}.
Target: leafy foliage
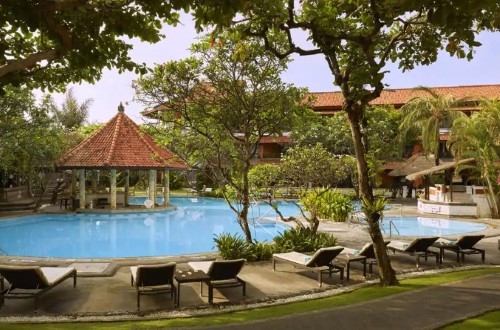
{"x": 47, "y": 44}
{"x": 476, "y": 137}
{"x": 30, "y": 138}
{"x": 357, "y": 40}
{"x": 314, "y": 165}
{"x": 264, "y": 175}
{"x": 231, "y": 246}
{"x": 72, "y": 115}
{"x": 235, "y": 247}
{"x": 303, "y": 240}
{"x": 428, "y": 114}
{"x": 235, "y": 96}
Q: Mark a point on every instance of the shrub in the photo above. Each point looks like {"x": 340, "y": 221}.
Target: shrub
{"x": 235, "y": 247}
{"x": 302, "y": 240}
{"x": 259, "y": 251}
{"x": 339, "y": 206}
{"x": 231, "y": 246}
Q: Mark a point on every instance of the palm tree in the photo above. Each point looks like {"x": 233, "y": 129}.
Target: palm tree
{"x": 478, "y": 137}
{"x": 428, "y": 114}
{"x": 72, "y": 114}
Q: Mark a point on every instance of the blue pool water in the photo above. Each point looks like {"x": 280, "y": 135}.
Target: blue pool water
{"x": 423, "y": 226}
{"x": 188, "y": 229}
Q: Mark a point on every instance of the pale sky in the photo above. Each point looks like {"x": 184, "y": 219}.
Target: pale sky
{"x": 309, "y": 71}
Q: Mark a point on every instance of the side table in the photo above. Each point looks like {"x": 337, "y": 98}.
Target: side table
{"x": 189, "y": 277}
{"x": 348, "y": 258}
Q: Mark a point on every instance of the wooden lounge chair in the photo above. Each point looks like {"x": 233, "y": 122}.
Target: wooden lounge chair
{"x": 223, "y": 274}
{"x": 464, "y": 245}
{"x": 153, "y": 279}
{"x": 321, "y": 262}
{"x": 30, "y": 282}
{"x": 419, "y": 247}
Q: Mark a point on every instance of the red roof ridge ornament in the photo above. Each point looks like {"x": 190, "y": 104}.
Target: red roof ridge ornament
{"x": 121, "y": 108}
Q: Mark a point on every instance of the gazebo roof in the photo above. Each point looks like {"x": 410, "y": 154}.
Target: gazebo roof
{"x": 120, "y": 144}
{"x": 442, "y": 167}
{"x": 415, "y": 163}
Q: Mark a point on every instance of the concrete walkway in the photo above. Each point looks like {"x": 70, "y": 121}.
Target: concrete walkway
{"x": 422, "y": 309}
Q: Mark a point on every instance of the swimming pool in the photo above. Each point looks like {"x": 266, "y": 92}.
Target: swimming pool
{"x": 188, "y": 229}
{"x": 424, "y": 226}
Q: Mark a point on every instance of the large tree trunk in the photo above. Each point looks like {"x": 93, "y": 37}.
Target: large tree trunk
{"x": 386, "y": 272}
{"x": 245, "y": 201}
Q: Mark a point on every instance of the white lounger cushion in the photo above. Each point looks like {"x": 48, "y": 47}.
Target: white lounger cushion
{"x": 204, "y": 266}
{"x": 398, "y": 245}
{"x": 296, "y": 257}
{"x": 53, "y": 274}
{"x": 133, "y": 271}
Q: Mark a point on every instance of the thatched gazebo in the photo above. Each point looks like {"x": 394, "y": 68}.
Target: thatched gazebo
{"x": 415, "y": 163}
{"x": 120, "y": 145}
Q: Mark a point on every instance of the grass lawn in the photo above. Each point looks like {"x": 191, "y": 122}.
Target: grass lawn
{"x": 357, "y": 296}
{"x": 490, "y": 320}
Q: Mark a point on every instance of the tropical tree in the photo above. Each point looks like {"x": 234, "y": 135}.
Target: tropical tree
{"x": 30, "y": 140}
{"x": 314, "y": 166}
{"x": 428, "y": 114}
{"x": 72, "y": 115}
{"x": 217, "y": 105}
{"x": 357, "y": 40}
{"x": 477, "y": 137}
{"x": 324, "y": 204}
{"x": 334, "y": 134}
{"x": 265, "y": 176}
{"x": 48, "y": 43}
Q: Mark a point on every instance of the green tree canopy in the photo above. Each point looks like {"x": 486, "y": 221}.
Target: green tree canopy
{"x": 72, "y": 115}
{"x": 428, "y": 115}
{"x": 477, "y": 137}
{"x": 357, "y": 40}
{"x": 30, "y": 141}
{"x": 304, "y": 166}
{"x": 218, "y": 104}
{"x": 49, "y": 43}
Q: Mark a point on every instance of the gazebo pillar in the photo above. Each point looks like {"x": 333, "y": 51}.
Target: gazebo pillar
{"x": 82, "y": 188}
{"x": 126, "y": 188}
{"x": 73, "y": 183}
{"x": 152, "y": 187}
{"x": 94, "y": 181}
{"x": 166, "y": 184}
{"x": 112, "y": 203}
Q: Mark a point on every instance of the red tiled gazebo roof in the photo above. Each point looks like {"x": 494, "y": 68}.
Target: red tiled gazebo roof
{"x": 120, "y": 144}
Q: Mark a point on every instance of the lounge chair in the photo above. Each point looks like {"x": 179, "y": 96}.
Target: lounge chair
{"x": 191, "y": 191}
{"x": 223, "y": 274}
{"x": 419, "y": 247}
{"x": 153, "y": 279}
{"x": 205, "y": 191}
{"x": 366, "y": 251}
{"x": 321, "y": 262}
{"x": 464, "y": 245}
{"x": 30, "y": 282}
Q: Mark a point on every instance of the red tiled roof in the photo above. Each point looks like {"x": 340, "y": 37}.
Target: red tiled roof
{"x": 274, "y": 139}
{"x": 119, "y": 145}
{"x": 398, "y": 97}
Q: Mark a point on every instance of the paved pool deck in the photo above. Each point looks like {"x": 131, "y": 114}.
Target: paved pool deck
{"x": 103, "y": 291}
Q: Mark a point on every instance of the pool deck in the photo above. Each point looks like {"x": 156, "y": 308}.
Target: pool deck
{"x": 104, "y": 292}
